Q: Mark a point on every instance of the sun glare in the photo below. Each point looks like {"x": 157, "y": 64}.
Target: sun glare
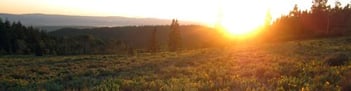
{"x": 243, "y": 28}
{"x": 241, "y": 20}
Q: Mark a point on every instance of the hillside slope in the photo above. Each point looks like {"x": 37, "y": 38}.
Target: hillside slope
{"x": 296, "y": 65}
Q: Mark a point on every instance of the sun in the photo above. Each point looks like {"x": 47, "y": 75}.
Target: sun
{"x": 241, "y": 28}
{"x": 241, "y": 20}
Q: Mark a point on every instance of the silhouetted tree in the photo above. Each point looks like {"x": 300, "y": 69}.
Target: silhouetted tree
{"x": 174, "y": 36}
{"x": 153, "y": 42}
{"x": 321, "y": 15}
{"x": 319, "y": 6}
{"x": 337, "y": 5}
{"x": 295, "y": 11}
{"x": 38, "y": 49}
{"x": 321, "y": 21}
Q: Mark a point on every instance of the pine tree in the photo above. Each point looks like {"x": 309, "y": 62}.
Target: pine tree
{"x": 319, "y": 6}
{"x": 2, "y": 32}
{"x": 153, "y": 42}
{"x": 321, "y": 15}
{"x": 295, "y": 11}
{"x": 174, "y": 36}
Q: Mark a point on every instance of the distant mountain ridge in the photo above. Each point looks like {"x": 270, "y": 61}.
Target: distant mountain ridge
{"x": 40, "y": 20}
{"x": 193, "y": 36}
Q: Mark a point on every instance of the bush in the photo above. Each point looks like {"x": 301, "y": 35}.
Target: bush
{"x": 346, "y": 82}
{"x": 336, "y": 59}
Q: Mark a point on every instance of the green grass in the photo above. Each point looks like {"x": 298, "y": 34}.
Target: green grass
{"x": 293, "y": 66}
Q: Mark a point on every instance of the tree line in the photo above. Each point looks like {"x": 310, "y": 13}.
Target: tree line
{"x": 17, "y": 39}
{"x": 321, "y": 21}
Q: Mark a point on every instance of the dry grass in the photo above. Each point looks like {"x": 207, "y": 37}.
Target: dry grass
{"x": 293, "y": 66}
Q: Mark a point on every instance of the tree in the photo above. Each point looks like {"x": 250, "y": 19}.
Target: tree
{"x": 337, "y": 5}
{"x": 2, "y": 32}
{"x": 295, "y": 11}
{"x": 319, "y": 6}
{"x": 174, "y": 36}
{"x": 320, "y": 15}
{"x": 153, "y": 45}
{"x": 38, "y": 43}
{"x": 38, "y": 49}
{"x": 7, "y": 37}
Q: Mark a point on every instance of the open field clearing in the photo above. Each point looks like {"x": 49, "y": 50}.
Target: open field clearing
{"x": 315, "y": 65}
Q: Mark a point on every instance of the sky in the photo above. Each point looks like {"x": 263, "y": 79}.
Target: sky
{"x": 205, "y": 11}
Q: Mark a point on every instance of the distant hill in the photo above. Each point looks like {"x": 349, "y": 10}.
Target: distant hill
{"x": 52, "y": 22}
{"x": 193, "y": 36}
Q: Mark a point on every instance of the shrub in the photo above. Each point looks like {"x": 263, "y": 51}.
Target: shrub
{"x": 336, "y": 59}
{"x": 346, "y": 82}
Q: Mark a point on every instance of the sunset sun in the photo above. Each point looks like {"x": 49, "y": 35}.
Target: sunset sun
{"x": 241, "y": 28}
{"x": 238, "y": 22}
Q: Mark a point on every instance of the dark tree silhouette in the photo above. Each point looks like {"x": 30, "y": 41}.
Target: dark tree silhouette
{"x": 153, "y": 43}
{"x": 174, "y": 36}
{"x": 319, "y": 6}
{"x": 295, "y": 11}
{"x": 321, "y": 21}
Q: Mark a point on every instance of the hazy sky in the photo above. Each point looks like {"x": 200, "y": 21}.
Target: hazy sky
{"x": 206, "y": 11}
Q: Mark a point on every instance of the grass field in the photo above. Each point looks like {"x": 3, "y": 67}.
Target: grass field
{"x": 293, "y": 66}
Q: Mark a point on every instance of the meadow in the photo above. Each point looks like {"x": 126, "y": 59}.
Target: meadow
{"x": 308, "y": 65}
